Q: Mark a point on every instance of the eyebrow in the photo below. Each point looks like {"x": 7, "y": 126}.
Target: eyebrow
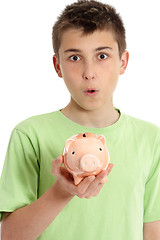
{"x": 78, "y": 50}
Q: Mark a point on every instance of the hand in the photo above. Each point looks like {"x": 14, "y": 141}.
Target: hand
{"x": 89, "y": 187}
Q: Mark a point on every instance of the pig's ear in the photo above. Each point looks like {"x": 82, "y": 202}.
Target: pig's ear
{"x": 102, "y": 139}
{"x": 68, "y": 144}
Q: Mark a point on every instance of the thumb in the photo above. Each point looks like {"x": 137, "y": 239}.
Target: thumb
{"x": 60, "y": 160}
{"x": 56, "y": 164}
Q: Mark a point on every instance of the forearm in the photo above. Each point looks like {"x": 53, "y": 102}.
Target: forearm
{"x": 30, "y": 221}
{"x": 151, "y": 230}
{"x": 150, "y": 238}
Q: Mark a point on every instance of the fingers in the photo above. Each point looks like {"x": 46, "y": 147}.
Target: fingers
{"x": 96, "y": 192}
{"x": 84, "y": 185}
{"x": 64, "y": 180}
{"x": 60, "y": 172}
{"x": 89, "y": 187}
{"x": 95, "y": 185}
{"x": 109, "y": 168}
{"x": 101, "y": 175}
{"x": 56, "y": 164}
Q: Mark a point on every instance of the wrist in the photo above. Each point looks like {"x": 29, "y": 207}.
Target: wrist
{"x": 60, "y": 193}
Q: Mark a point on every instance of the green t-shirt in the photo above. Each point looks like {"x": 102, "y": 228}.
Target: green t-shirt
{"x": 130, "y": 197}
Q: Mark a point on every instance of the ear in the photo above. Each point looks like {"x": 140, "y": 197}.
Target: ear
{"x": 67, "y": 145}
{"x": 124, "y": 61}
{"x": 57, "y": 65}
{"x": 102, "y": 139}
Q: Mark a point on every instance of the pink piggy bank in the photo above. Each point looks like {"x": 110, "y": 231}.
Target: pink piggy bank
{"x": 86, "y": 154}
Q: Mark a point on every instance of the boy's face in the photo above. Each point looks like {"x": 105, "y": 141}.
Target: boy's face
{"x": 90, "y": 66}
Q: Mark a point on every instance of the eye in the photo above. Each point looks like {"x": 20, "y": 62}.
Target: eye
{"x": 73, "y": 152}
{"x": 74, "y": 58}
{"x": 100, "y": 149}
{"x": 102, "y": 56}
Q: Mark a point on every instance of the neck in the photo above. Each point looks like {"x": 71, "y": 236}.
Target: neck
{"x": 94, "y": 118}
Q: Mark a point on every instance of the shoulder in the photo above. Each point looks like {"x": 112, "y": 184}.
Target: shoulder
{"x": 146, "y": 137}
{"x": 143, "y": 127}
{"x": 38, "y": 123}
{"x": 144, "y": 133}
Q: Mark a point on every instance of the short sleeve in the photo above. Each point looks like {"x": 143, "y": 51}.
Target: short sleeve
{"x": 19, "y": 179}
{"x": 152, "y": 188}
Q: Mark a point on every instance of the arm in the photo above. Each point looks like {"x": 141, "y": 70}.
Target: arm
{"x": 30, "y": 221}
{"x": 151, "y": 230}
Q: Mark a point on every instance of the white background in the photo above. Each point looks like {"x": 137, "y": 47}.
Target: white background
{"x": 29, "y": 84}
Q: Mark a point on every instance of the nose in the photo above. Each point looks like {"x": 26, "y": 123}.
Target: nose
{"x": 89, "y": 163}
{"x": 89, "y": 72}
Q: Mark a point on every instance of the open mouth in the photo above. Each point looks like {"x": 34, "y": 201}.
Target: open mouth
{"x": 91, "y": 91}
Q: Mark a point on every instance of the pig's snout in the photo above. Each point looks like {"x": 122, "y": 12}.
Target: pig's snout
{"x": 89, "y": 163}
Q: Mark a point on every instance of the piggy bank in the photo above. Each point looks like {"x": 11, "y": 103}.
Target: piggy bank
{"x": 85, "y": 154}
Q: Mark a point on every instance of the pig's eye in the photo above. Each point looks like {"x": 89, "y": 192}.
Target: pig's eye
{"x": 100, "y": 149}
{"x": 73, "y": 152}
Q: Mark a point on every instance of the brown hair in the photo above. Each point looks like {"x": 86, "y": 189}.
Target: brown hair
{"x": 89, "y": 16}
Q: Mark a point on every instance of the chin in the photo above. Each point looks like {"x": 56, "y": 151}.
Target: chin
{"x": 90, "y": 107}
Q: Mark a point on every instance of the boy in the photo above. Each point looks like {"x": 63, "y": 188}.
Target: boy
{"x": 90, "y": 54}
